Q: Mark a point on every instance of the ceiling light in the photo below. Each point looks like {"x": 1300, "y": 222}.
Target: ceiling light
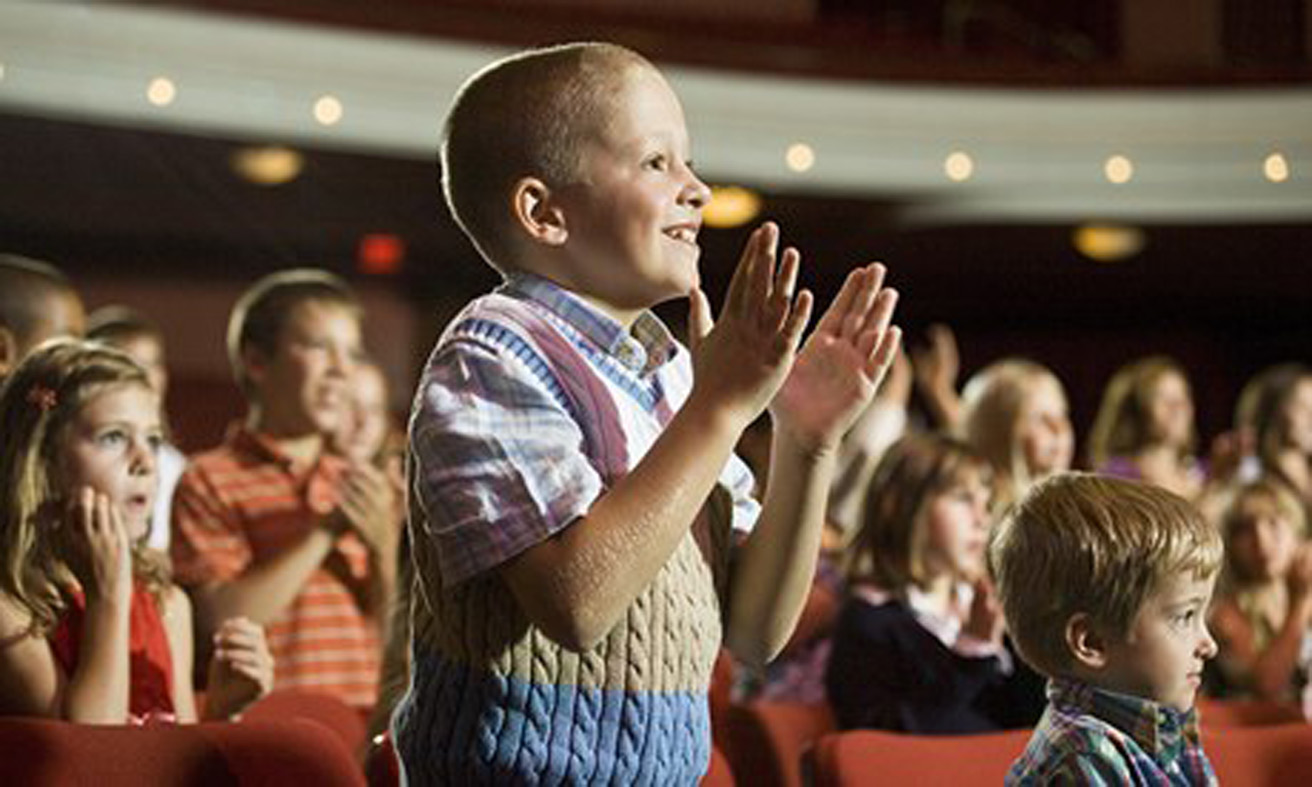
{"x": 1276, "y": 168}
{"x": 328, "y": 110}
{"x": 161, "y": 91}
{"x": 269, "y": 165}
{"x": 959, "y": 166}
{"x": 731, "y": 206}
{"x": 1108, "y": 242}
{"x": 1118, "y": 169}
{"x": 800, "y": 157}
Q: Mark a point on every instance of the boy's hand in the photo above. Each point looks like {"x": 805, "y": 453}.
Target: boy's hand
{"x": 740, "y": 362}
{"x": 241, "y": 670}
{"x": 96, "y": 546}
{"x": 841, "y": 364}
{"x": 368, "y": 507}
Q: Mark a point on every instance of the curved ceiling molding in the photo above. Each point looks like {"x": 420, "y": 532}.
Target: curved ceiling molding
{"x": 1038, "y": 154}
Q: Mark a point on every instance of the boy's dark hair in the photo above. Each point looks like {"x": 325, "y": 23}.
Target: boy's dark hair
{"x": 258, "y": 318}
{"x": 119, "y": 323}
{"x": 524, "y": 115}
{"x": 25, "y": 284}
{"x": 1082, "y": 543}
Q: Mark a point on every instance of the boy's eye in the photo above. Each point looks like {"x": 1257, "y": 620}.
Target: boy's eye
{"x": 658, "y": 162}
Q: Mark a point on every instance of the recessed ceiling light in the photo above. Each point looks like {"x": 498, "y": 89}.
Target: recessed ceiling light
{"x": 1276, "y": 168}
{"x": 269, "y": 165}
{"x": 1118, "y": 169}
{"x": 328, "y": 110}
{"x": 731, "y": 206}
{"x": 800, "y": 157}
{"x": 161, "y": 91}
{"x": 959, "y": 166}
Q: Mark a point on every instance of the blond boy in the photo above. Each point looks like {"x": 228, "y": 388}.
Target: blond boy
{"x": 1105, "y": 586}
{"x": 564, "y": 446}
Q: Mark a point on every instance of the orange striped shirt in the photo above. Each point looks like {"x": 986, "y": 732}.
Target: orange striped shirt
{"x": 242, "y": 504}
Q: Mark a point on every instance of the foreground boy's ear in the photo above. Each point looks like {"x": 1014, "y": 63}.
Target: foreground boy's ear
{"x": 1087, "y": 645}
{"x": 537, "y": 213}
{"x": 8, "y": 351}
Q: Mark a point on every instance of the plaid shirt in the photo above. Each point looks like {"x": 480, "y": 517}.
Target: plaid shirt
{"x": 504, "y": 458}
{"x": 1091, "y": 736}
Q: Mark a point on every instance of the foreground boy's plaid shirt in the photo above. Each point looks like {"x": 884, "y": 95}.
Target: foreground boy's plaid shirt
{"x": 1096, "y": 737}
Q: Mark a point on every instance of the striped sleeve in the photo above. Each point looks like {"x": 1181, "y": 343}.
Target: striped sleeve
{"x": 208, "y": 543}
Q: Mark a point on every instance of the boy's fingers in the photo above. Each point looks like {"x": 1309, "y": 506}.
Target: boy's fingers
{"x": 880, "y": 316}
{"x": 780, "y": 293}
{"x": 798, "y": 318}
{"x": 733, "y": 299}
{"x": 884, "y": 353}
{"x": 762, "y": 274}
{"x": 832, "y": 321}
{"x": 859, "y": 311}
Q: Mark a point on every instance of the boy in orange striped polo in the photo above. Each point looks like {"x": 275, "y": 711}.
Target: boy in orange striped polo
{"x": 270, "y": 524}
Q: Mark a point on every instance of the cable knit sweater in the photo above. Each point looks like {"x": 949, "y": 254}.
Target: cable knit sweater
{"x": 492, "y": 699}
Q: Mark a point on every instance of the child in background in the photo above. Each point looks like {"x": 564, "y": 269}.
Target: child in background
{"x": 274, "y": 526}
{"x": 574, "y": 486}
{"x": 1276, "y": 409}
{"x": 1145, "y": 428}
{"x": 91, "y": 628}
{"x": 1014, "y": 412}
{"x": 37, "y": 302}
{"x": 918, "y": 643}
{"x": 1264, "y": 607}
{"x": 139, "y": 337}
{"x": 1105, "y": 585}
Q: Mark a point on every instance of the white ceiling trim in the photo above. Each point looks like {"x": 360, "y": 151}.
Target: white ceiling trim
{"x": 1038, "y": 153}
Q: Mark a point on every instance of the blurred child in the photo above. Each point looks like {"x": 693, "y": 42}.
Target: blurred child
{"x": 139, "y": 337}
{"x": 1105, "y": 585}
{"x": 37, "y": 302}
{"x": 574, "y": 486}
{"x": 1276, "y": 409}
{"x": 274, "y": 526}
{"x": 91, "y": 627}
{"x": 1145, "y": 428}
{"x": 1264, "y": 606}
{"x": 918, "y": 643}
{"x": 1014, "y": 412}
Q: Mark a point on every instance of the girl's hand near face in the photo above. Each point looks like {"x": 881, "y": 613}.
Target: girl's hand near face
{"x": 985, "y": 621}
{"x": 96, "y": 547}
{"x": 1299, "y": 580}
{"x": 241, "y": 669}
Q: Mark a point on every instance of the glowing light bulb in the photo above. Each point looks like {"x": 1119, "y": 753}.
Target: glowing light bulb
{"x": 800, "y": 157}
{"x": 959, "y": 166}
{"x": 1276, "y": 168}
{"x": 328, "y": 110}
{"x": 161, "y": 91}
{"x": 1118, "y": 169}
{"x": 731, "y": 206}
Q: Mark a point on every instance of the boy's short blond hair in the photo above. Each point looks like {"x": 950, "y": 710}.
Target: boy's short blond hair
{"x": 526, "y": 115}
{"x": 258, "y": 318}
{"x": 1082, "y": 543}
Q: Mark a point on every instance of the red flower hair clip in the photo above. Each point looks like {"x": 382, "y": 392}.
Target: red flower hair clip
{"x": 42, "y": 397}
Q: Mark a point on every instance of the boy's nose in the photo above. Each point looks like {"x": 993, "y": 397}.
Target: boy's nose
{"x": 697, "y": 193}
{"x": 1207, "y": 648}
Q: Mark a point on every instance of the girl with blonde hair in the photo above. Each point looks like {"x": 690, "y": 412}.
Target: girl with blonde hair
{"x": 91, "y": 628}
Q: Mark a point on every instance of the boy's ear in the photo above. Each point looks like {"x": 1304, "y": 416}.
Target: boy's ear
{"x": 8, "y": 351}
{"x": 253, "y": 363}
{"x": 538, "y": 213}
{"x": 1087, "y": 644}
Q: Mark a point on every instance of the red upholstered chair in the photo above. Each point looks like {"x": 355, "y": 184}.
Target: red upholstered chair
{"x": 382, "y": 767}
{"x": 767, "y": 740}
{"x": 48, "y": 753}
{"x": 1275, "y": 755}
{"x": 719, "y": 774}
{"x": 346, "y": 722}
{"x": 875, "y": 757}
{"x": 1245, "y": 713}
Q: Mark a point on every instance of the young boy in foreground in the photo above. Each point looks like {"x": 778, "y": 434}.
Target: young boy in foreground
{"x": 569, "y": 549}
{"x": 1105, "y": 586}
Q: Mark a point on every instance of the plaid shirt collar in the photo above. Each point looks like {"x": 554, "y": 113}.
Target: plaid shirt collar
{"x": 643, "y": 349}
{"x": 1161, "y": 731}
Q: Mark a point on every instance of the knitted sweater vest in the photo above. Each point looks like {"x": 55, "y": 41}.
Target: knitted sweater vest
{"x": 494, "y": 700}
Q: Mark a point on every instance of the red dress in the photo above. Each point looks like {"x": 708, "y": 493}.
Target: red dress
{"x": 150, "y": 663}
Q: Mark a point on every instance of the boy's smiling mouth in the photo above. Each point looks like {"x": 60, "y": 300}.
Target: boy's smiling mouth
{"x": 684, "y": 233}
